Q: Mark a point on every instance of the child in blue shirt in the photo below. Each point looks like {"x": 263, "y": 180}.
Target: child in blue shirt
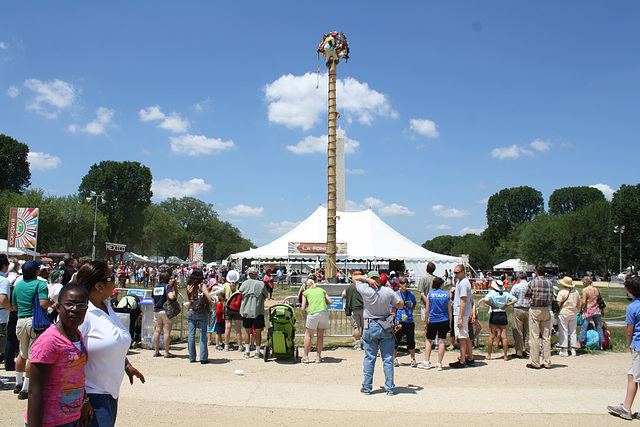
{"x": 404, "y": 316}
{"x": 632, "y": 285}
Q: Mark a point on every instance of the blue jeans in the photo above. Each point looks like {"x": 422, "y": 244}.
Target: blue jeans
{"x": 105, "y": 410}
{"x": 597, "y": 320}
{"x": 375, "y": 337}
{"x": 197, "y": 320}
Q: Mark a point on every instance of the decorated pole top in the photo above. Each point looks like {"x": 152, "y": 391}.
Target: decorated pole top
{"x": 334, "y": 47}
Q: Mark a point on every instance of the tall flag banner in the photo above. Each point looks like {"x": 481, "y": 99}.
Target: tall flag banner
{"x": 23, "y": 228}
{"x": 196, "y": 252}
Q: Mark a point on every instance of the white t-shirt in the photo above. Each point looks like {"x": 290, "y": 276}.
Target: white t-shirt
{"x": 107, "y": 342}
{"x": 463, "y": 289}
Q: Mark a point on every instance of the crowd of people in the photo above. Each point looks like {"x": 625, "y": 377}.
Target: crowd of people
{"x": 84, "y": 349}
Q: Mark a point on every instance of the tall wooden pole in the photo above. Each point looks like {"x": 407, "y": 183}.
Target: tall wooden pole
{"x": 331, "y": 269}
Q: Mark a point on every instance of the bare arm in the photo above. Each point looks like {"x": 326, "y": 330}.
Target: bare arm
{"x": 463, "y": 305}
{"x": 38, "y": 382}
{"x": 629, "y": 335}
{"x": 4, "y": 302}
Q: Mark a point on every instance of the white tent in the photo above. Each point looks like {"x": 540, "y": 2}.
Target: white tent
{"x": 515, "y": 264}
{"x": 367, "y": 238}
{"x": 16, "y": 252}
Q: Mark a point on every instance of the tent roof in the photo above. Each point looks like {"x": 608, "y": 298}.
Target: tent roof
{"x": 515, "y": 264}
{"x": 15, "y": 251}
{"x": 366, "y": 235}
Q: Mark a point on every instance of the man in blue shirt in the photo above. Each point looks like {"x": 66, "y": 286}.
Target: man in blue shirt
{"x": 632, "y": 285}
{"x": 404, "y": 316}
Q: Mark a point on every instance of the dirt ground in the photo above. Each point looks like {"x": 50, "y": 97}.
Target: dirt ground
{"x": 495, "y": 392}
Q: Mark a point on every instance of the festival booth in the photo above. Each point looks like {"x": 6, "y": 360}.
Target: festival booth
{"x": 18, "y": 253}
{"x": 362, "y": 239}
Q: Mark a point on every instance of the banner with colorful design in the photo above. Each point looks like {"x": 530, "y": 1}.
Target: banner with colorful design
{"x": 23, "y": 228}
{"x": 296, "y": 248}
{"x": 196, "y": 252}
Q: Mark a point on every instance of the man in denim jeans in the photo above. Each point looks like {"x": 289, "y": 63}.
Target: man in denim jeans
{"x": 377, "y": 306}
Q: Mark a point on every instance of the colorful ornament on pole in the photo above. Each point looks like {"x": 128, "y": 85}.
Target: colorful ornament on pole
{"x": 334, "y": 46}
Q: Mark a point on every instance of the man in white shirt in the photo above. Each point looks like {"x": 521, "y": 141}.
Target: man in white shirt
{"x": 462, "y": 309}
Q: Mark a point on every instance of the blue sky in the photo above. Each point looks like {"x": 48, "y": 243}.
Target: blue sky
{"x": 443, "y": 103}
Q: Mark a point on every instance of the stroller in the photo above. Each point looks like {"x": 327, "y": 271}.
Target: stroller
{"x": 281, "y": 334}
{"x": 129, "y": 304}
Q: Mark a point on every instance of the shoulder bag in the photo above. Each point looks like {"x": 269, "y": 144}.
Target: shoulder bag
{"x": 200, "y": 303}
{"x": 40, "y": 321}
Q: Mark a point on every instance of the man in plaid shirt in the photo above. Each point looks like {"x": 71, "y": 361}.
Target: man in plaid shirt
{"x": 540, "y": 292}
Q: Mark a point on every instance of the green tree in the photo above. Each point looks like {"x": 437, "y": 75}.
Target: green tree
{"x": 539, "y": 241}
{"x": 128, "y": 193}
{"x": 510, "y": 207}
{"x": 163, "y": 234}
{"x": 14, "y": 173}
{"x": 442, "y": 244}
{"x": 597, "y": 231}
{"x": 572, "y": 199}
{"x": 480, "y": 253}
{"x": 624, "y": 211}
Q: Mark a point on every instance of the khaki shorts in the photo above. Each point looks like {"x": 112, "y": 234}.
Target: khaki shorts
{"x": 357, "y": 320}
{"x": 160, "y": 318}
{"x": 26, "y": 336}
{"x": 634, "y": 370}
{"x": 319, "y": 320}
{"x": 464, "y": 331}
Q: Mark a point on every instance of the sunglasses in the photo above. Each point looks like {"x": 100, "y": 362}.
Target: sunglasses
{"x": 109, "y": 279}
{"x": 69, "y": 305}
{"x": 457, "y": 272}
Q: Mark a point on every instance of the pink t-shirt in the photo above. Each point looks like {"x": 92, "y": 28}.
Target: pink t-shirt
{"x": 64, "y": 392}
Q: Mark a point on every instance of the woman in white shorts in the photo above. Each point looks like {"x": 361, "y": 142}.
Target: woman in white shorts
{"x": 314, "y": 303}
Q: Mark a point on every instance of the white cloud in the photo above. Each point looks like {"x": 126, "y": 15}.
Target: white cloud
{"x": 470, "y": 230}
{"x": 438, "y": 227}
{"x": 439, "y": 210}
{"x": 540, "y": 145}
{"x": 104, "y": 119}
{"x": 294, "y": 101}
{"x": 606, "y": 190}
{"x": 50, "y": 97}
{"x": 424, "y": 127}
{"x": 13, "y": 91}
{"x": 483, "y": 201}
{"x": 383, "y": 208}
{"x": 195, "y": 145}
{"x": 200, "y": 106}
{"x": 395, "y": 210}
{"x": 166, "y": 188}
{"x": 354, "y": 171}
{"x": 282, "y": 227}
{"x": 172, "y": 122}
{"x": 42, "y": 161}
{"x": 244, "y": 210}
{"x": 151, "y": 113}
{"x": 318, "y": 144}
{"x": 3, "y": 46}
{"x": 515, "y": 151}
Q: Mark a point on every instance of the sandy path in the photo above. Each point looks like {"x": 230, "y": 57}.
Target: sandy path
{"x": 493, "y": 393}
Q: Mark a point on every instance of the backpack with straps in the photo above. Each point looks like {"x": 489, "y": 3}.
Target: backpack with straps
{"x": 235, "y": 301}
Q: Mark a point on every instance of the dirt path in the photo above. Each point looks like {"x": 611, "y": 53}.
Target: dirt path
{"x": 493, "y": 393}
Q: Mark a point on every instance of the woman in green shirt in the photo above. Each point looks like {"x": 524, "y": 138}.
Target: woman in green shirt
{"x": 314, "y": 303}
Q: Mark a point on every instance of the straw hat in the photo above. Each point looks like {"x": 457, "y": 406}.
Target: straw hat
{"x": 497, "y": 285}
{"x": 567, "y": 282}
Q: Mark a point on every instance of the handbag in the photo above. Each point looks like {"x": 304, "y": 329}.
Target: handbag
{"x": 40, "y": 321}
{"x": 172, "y": 308}
{"x": 601, "y": 302}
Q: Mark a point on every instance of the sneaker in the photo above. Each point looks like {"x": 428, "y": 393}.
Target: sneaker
{"x": 470, "y": 362}
{"x": 564, "y": 354}
{"x": 425, "y": 365}
{"x": 226, "y": 348}
{"x": 457, "y": 365}
{"x": 356, "y": 346}
{"x": 5, "y": 386}
{"x": 240, "y": 348}
{"x": 304, "y": 360}
{"x": 573, "y": 352}
{"x": 413, "y": 363}
{"x": 258, "y": 355}
{"x": 396, "y": 363}
{"x": 247, "y": 355}
{"x": 391, "y": 393}
{"x": 319, "y": 360}
{"x": 23, "y": 395}
{"x": 365, "y": 391}
{"x": 439, "y": 367}
{"x": 17, "y": 388}
{"x": 621, "y": 412}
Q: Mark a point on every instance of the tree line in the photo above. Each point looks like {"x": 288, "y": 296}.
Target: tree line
{"x": 578, "y": 233}
{"x": 127, "y": 216}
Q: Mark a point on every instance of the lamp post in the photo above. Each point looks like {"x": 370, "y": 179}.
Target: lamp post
{"x": 93, "y": 194}
{"x": 619, "y": 230}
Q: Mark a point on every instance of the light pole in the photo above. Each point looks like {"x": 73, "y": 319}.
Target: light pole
{"x": 93, "y": 194}
{"x": 619, "y": 230}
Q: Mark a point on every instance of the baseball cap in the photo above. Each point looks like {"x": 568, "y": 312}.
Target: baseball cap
{"x": 373, "y": 274}
{"x": 253, "y": 270}
{"x": 30, "y": 268}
